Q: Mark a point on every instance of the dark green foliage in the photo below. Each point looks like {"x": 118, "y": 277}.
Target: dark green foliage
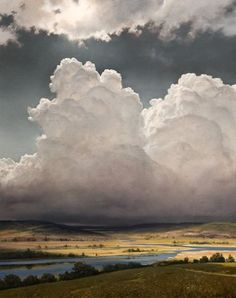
{"x": 47, "y": 277}
{"x": 186, "y": 260}
{"x": 71, "y": 255}
{"x": 133, "y": 250}
{"x": 217, "y": 258}
{"x": 30, "y": 280}
{"x": 81, "y": 269}
{"x": 195, "y": 261}
{"x": 26, "y": 254}
{"x": 116, "y": 267}
{"x": 230, "y": 259}
{"x": 2, "y": 284}
{"x": 172, "y": 262}
{"x": 12, "y": 281}
{"x": 66, "y": 276}
{"x": 204, "y": 259}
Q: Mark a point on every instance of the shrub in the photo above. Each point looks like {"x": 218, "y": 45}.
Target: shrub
{"x": 230, "y": 259}
{"x": 66, "y": 276}
{"x": 186, "y": 260}
{"x": 31, "y": 280}
{"x": 12, "y": 281}
{"x": 47, "y": 277}
{"x": 115, "y": 267}
{"x": 217, "y": 258}
{"x": 81, "y": 269}
{"x": 204, "y": 259}
{"x": 133, "y": 250}
{"x": 195, "y": 261}
{"x": 71, "y": 255}
{"x": 172, "y": 262}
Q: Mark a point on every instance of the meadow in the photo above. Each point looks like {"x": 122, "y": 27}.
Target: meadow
{"x": 174, "y": 281}
{"x": 102, "y": 241}
{"x": 185, "y": 280}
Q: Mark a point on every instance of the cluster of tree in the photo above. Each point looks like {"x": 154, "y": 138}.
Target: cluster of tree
{"x": 13, "y": 281}
{"x": 173, "y": 262}
{"x": 79, "y": 270}
{"x": 133, "y": 250}
{"x": 116, "y": 267}
{"x": 215, "y": 258}
{"x": 26, "y": 254}
{"x": 33, "y": 254}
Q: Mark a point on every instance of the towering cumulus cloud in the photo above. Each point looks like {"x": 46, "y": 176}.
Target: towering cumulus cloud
{"x": 83, "y": 19}
{"x": 102, "y": 158}
{"x": 193, "y": 132}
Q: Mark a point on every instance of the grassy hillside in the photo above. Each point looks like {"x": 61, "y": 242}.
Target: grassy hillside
{"x": 40, "y": 227}
{"x": 32, "y": 231}
{"x": 37, "y": 228}
{"x": 219, "y": 227}
{"x": 176, "y": 281}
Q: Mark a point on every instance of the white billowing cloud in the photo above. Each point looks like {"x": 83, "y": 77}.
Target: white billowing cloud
{"x": 90, "y": 159}
{"x": 84, "y": 19}
{"x": 102, "y": 157}
{"x": 193, "y": 132}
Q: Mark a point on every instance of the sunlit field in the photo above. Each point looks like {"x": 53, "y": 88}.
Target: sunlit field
{"x": 118, "y": 242}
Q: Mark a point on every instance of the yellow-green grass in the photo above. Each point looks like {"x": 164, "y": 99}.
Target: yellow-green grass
{"x": 86, "y": 247}
{"x": 175, "y": 281}
{"x": 117, "y": 242}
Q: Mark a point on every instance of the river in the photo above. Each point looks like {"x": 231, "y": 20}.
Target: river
{"x": 23, "y": 268}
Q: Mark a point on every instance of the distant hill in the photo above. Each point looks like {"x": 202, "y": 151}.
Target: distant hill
{"x": 148, "y": 227}
{"x": 39, "y": 229}
{"x": 215, "y": 229}
{"x": 30, "y": 228}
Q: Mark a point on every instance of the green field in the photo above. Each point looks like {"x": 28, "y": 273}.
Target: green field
{"x": 175, "y": 281}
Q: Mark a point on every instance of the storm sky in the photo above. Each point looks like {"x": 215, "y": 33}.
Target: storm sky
{"x": 104, "y": 151}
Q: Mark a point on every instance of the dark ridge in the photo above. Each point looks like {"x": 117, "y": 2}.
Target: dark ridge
{"x": 42, "y": 226}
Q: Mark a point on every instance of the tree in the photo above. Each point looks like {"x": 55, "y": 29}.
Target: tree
{"x": 116, "y": 267}
{"x": 81, "y": 269}
{"x": 204, "y": 259}
{"x": 66, "y": 276}
{"x": 230, "y": 259}
{"x": 31, "y": 280}
{"x": 47, "y": 277}
{"x": 217, "y": 258}
{"x": 186, "y": 260}
{"x": 12, "y": 281}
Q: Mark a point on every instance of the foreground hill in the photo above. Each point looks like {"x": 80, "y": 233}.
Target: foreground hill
{"x": 175, "y": 281}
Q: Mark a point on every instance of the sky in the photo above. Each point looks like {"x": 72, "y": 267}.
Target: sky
{"x": 144, "y": 132}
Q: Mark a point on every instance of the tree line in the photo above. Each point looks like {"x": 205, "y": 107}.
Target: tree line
{"x": 79, "y": 270}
